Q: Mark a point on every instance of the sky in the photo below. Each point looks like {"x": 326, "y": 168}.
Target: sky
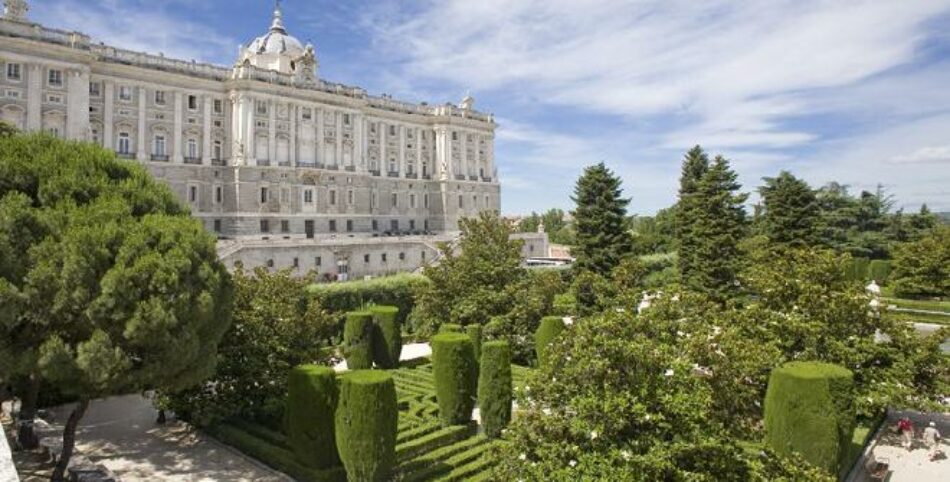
{"x": 856, "y": 92}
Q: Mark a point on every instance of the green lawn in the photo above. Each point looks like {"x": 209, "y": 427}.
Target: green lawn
{"x": 929, "y": 305}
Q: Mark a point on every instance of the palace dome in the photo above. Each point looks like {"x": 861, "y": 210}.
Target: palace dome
{"x": 276, "y": 40}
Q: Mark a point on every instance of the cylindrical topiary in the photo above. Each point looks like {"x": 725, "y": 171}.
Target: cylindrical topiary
{"x": 879, "y": 270}
{"x": 451, "y": 328}
{"x": 311, "y": 400}
{"x": 358, "y": 340}
{"x": 550, "y": 328}
{"x": 455, "y": 372}
{"x": 387, "y": 339}
{"x": 494, "y": 387}
{"x": 366, "y": 420}
{"x": 809, "y": 410}
{"x": 474, "y": 333}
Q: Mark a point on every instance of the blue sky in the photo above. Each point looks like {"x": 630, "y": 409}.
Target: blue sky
{"x": 852, "y": 91}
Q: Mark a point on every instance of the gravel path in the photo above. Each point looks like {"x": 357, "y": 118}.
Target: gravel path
{"x": 120, "y": 433}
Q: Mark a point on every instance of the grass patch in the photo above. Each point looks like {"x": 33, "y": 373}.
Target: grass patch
{"x": 918, "y": 317}
{"x": 928, "y": 305}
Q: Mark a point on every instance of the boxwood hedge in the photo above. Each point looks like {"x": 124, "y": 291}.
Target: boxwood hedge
{"x": 366, "y": 420}
{"x": 358, "y": 340}
{"x": 311, "y": 400}
{"x": 387, "y": 339}
{"x": 455, "y": 371}
{"x": 494, "y": 387}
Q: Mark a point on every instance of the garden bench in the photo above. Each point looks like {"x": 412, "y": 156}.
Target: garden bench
{"x": 877, "y": 468}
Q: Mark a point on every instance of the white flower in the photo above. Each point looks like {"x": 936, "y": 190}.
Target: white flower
{"x": 679, "y": 333}
{"x": 553, "y": 379}
{"x": 568, "y": 320}
{"x": 593, "y": 435}
{"x": 546, "y": 411}
{"x": 647, "y": 417}
{"x": 625, "y": 454}
{"x": 572, "y": 463}
{"x": 668, "y": 373}
{"x": 522, "y": 456}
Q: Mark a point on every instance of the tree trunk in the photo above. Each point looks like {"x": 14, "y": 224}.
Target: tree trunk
{"x": 161, "y": 417}
{"x": 26, "y": 435}
{"x": 69, "y": 440}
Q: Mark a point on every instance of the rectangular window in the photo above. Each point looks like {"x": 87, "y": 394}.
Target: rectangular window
{"x": 366, "y": 258}
{"x": 296, "y": 262}
{"x": 412, "y": 224}
{"x": 159, "y": 146}
{"x": 402, "y": 256}
{"x": 217, "y": 225}
{"x": 412, "y": 201}
{"x": 125, "y": 93}
{"x": 394, "y": 200}
{"x": 317, "y": 261}
{"x": 308, "y": 196}
{"x": 218, "y": 106}
{"x": 284, "y": 195}
{"x": 124, "y": 143}
{"x": 461, "y": 205}
{"x": 349, "y": 196}
{"x": 375, "y": 225}
{"x": 265, "y": 226}
{"x": 383, "y": 256}
{"x": 422, "y": 255}
{"x": 284, "y": 226}
{"x": 218, "y": 194}
{"x": 192, "y": 102}
{"x": 95, "y": 89}
{"x": 455, "y": 136}
{"x": 425, "y": 200}
{"x": 392, "y": 130}
{"x": 349, "y": 225}
{"x": 55, "y": 78}
{"x": 306, "y": 113}
{"x": 261, "y": 107}
{"x": 193, "y": 194}
{"x": 264, "y": 194}
{"x": 372, "y": 200}
{"x": 333, "y": 198}
{"x": 346, "y": 119}
{"x": 216, "y": 151}
{"x": 394, "y": 225}
{"x": 333, "y": 225}
{"x": 160, "y": 97}
{"x": 14, "y": 72}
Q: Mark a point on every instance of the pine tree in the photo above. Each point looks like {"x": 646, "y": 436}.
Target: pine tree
{"x": 716, "y": 230}
{"x": 791, "y": 211}
{"x": 601, "y": 221}
{"x": 695, "y": 165}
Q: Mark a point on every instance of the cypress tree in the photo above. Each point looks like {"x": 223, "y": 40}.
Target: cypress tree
{"x": 695, "y": 165}
{"x": 601, "y": 220}
{"x": 718, "y": 225}
{"x": 791, "y": 211}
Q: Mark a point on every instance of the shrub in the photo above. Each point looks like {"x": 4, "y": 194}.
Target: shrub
{"x": 922, "y": 267}
{"x": 565, "y": 305}
{"x": 475, "y": 334}
{"x": 366, "y": 420}
{"x": 358, "y": 340}
{"x": 273, "y": 455}
{"x": 494, "y": 387}
{"x": 859, "y": 269}
{"x": 455, "y": 371}
{"x": 551, "y": 327}
{"x": 387, "y": 339}
{"x": 451, "y": 328}
{"x": 311, "y": 399}
{"x": 809, "y": 410}
{"x": 341, "y": 298}
{"x": 879, "y": 270}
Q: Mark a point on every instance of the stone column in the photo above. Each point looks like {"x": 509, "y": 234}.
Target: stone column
{"x": 177, "y": 156}
{"x": 141, "y": 137}
{"x": 292, "y": 113}
{"x": 34, "y": 98}
{"x": 272, "y": 132}
{"x": 206, "y": 129}
{"x": 338, "y": 116}
{"x": 359, "y": 150}
{"x": 321, "y": 138}
{"x": 108, "y": 106}
{"x": 77, "y": 104}
{"x": 401, "y": 163}
{"x": 248, "y": 117}
{"x": 383, "y": 155}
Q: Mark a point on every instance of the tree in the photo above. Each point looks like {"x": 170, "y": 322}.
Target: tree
{"x": 122, "y": 292}
{"x": 688, "y": 206}
{"x": 276, "y": 327}
{"x": 717, "y": 225}
{"x": 791, "y": 212}
{"x": 602, "y": 238}
{"x": 922, "y": 267}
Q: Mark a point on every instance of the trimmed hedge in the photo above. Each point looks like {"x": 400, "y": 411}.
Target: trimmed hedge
{"x": 858, "y": 269}
{"x": 451, "y": 328}
{"x": 550, "y": 328}
{"x": 455, "y": 372}
{"x": 809, "y": 410}
{"x": 398, "y": 290}
{"x": 387, "y": 339}
{"x": 494, "y": 387}
{"x": 311, "y": 399}
{"x": 879, "y": 270}
{"x": 474, "y": 333}
{"x": 366, "y": 422}
{"x": 358, "y": 340}
{"x": 272, "y": 455}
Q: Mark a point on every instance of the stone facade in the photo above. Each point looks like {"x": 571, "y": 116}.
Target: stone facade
{"x": 261, "y": 150}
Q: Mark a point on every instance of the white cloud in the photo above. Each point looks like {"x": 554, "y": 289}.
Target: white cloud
{"x": 924, "y": 155}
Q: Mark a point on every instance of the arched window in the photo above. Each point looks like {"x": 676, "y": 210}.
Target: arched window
{"x": 192, "y": 148}
{"x": 216, "y": 151}
{"x": 158, "y": 145}
{"x": 125, "y": 143}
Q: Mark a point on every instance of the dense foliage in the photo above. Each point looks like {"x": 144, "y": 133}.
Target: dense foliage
{"x": 600, "y": 219}
{"x": 922, "y": 267}
{"x": 387, "y": 338}
{"x": 790, "y": 214}
{"x": 358, "y": 334}
{"x": 276, "y": 327}
{"x": 398, "y": 290}
{"x": 456, "y": 376}
{"x": 365, "y": 423}
{"x": 312, "y": 396}
{"x": 108, "y": 286}
{"x": 555, "y": 225}
{"x": 548, "y": 331}
{"x": 495, "y": 388}
{"x": 808, "y": 410}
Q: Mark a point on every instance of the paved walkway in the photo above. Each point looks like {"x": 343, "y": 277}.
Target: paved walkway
{"x": 914, "y": 465}
{"x": 120, "y": 433}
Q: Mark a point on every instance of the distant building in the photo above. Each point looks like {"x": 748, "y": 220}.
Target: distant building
{"x": 290, "y": 169}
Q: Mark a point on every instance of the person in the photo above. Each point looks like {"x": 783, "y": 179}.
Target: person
{"x": 907, "y": 432}
{"x": 932, "y": 440}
